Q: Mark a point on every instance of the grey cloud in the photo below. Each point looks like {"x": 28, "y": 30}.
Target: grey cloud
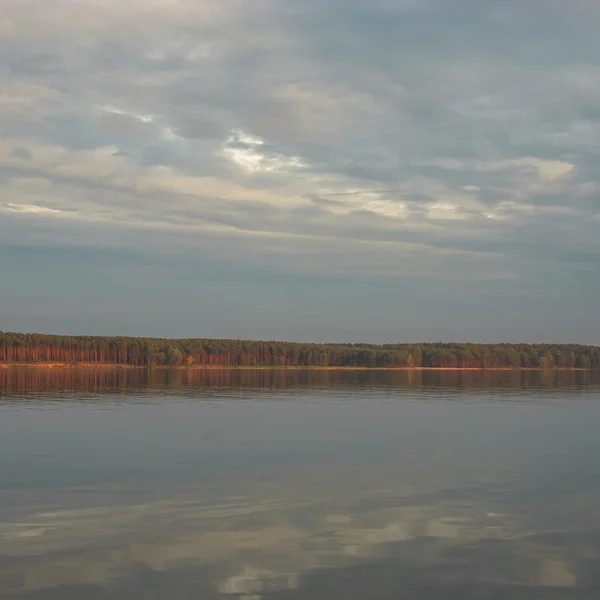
{"x": 468, "y": 130}
{"x": 194, "y": 127}
{"x": 22, "y": 153}
{"x": 121, "y": 125}
{"x": 156, "y": 155}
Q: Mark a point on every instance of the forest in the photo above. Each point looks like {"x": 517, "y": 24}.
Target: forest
{"x": 29, "y": 348}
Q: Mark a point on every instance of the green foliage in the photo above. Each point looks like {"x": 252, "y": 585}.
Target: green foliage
{"x": 174, "y": 357}
{"x": 35, "y": 348}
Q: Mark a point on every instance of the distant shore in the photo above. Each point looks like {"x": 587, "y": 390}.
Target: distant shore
{"x": 45, "y": 351}
{"x": 57, "y": 365}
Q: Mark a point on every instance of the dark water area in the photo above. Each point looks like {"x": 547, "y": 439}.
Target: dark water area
{"x": 299, "y": 484}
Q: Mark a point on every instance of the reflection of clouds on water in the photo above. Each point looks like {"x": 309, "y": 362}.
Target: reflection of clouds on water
{"x": 252, "y": 583}
{"x": 290, "y": 548}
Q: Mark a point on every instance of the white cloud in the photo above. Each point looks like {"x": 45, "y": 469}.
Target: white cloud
{"x": 247, "y": 152}
{"x": 444, "y": 211}
{"x": 545, "y": 170}
{"x": 30, "y": 208}
{"x": 113, "y": 110}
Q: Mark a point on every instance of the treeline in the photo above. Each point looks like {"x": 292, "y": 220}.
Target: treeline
{"x": 96, "y": 350}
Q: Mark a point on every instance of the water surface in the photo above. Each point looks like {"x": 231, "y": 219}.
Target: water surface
{"x": 298, "y": 484}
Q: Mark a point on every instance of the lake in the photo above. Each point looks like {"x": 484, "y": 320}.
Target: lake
{"x": 181, "y": 484}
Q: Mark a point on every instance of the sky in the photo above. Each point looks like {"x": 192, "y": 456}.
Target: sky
{"x": 324, "y": 170}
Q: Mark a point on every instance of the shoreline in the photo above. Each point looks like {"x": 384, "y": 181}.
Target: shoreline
{"x": 47, "y": 365}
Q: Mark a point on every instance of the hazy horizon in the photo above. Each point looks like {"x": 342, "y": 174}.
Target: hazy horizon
{"x": 336, "y": 171}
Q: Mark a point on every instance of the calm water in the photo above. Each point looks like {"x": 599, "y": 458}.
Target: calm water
{"x": 299, "y": 485}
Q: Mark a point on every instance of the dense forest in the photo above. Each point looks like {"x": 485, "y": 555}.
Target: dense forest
{"x": 95, "y": 350}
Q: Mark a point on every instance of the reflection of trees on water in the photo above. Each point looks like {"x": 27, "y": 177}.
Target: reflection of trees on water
{"x": 64, "y": 380}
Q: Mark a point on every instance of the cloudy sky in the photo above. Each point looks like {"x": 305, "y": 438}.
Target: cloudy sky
{"x": 378, "y": 170}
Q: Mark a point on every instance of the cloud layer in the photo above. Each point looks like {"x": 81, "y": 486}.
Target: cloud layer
{"x": 387, "y": 139}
